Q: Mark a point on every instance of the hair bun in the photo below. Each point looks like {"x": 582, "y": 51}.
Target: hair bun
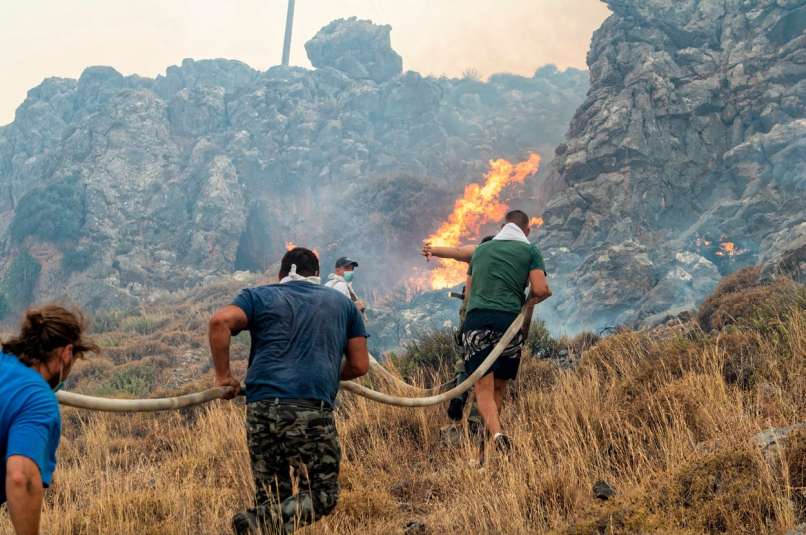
{"x": 35, "y": 320}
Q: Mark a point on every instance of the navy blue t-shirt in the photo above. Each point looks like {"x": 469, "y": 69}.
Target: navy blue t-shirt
{"x": 299, "y": 336}
{"x": 30, "y": 424}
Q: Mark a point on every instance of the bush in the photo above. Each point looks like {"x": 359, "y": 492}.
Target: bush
{"x": 89, "y": 370}
{"x": 432, "y": 351}
{"x": 76, "y": 260}
{"x": 133, "y": 380}
{"x": 539, "y": 342}
{"x": 54, "y": 213}
{"x": 724, "y": 492}
{"x": 20, "y": 281}
{"x": 144, "y": 324}
{"x": 742, "y": 299}
{"x": 108, "y": 320}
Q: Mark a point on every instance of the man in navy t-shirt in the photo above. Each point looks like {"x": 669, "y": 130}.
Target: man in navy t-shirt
{"x": 300, "y": 332}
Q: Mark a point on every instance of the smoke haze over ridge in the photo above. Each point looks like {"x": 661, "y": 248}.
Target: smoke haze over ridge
{"x": 50, "y": 38}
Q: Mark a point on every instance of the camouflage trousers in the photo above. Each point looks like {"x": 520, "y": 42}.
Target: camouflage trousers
{"x": 295, "y": 457}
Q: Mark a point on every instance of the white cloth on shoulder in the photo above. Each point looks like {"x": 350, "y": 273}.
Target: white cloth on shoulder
{"x": 294, "y": 276}
{"x": 338, "y": 283}
{"x": 512, "y": 232}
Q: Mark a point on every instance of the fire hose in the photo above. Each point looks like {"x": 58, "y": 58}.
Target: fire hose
{"x": 82, "y": 401}
{"x": 378, "y": 368}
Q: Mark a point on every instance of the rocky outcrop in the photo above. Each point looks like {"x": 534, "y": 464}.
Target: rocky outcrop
{"x": 121, "y": 187}
{"x": 686, "y": 161}
{"x": 358, "y": 48}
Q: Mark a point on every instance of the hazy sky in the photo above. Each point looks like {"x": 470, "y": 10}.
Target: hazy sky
{"x": 42, "y": 38}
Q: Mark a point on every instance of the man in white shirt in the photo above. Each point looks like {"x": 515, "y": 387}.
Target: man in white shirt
{"x": 342, "y": 280}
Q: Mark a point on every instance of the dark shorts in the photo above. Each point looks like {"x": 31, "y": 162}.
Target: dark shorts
{"x": 481, "y": 332}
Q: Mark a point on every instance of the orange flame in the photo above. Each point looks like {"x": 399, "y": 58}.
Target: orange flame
{"x": 728, "y": 248}
{"x": 480, "y": 204}
{"x": 536, "y": 222}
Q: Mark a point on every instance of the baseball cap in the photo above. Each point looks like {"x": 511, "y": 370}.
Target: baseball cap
{"x": 345, "y": 262}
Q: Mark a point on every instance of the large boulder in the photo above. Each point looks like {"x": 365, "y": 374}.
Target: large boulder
{"x": 358, "y": 48}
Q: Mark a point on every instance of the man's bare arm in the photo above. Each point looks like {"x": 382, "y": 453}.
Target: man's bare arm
{"x": 356, "y": 363}
{"x": 462, "y": 254}
{"x": 24, "y": 493}
{"x": 222, "y": 324}
{"x": 540, "y": 287}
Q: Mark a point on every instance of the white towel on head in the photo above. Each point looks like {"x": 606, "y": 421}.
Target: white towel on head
{"x": 511, "y": 232}
{"x": 294, "y": 276}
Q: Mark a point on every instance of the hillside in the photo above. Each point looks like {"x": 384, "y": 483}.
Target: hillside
{"x": 117, "y": 188}
{"x": 670, "y": 418}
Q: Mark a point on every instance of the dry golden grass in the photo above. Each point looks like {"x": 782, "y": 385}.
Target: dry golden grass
{"x": 667, "y": 419}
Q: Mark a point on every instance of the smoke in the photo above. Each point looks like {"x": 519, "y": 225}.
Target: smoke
{"x": 446, "y": 37}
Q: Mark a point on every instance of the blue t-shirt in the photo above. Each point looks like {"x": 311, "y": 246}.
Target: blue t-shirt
{"x": 299, "y": 336}
{"x": 30, "y": 424}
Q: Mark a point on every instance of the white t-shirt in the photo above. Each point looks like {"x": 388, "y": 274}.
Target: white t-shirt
{"x": 337, "y": 282}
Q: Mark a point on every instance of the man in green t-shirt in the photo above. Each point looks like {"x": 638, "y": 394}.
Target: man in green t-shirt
{"x": 499, "y": 274}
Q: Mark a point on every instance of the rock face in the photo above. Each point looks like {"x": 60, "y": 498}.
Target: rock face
{"x": 113, "y": 188}
{"x": 358, "y": 48}
{"x": 686, "y": 161}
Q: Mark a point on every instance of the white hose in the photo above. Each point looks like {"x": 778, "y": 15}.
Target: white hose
{"x": 71, "y": 399}
{"x": 454, "y": 392}
{"x": 81, "y": 401}
{"x": 377, "y": 367}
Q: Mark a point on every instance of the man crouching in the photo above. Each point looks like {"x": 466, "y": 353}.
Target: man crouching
{"x": 300, "y": 331}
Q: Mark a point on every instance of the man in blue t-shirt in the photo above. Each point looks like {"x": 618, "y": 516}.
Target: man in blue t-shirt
{"x": 300, "y": 332}
{"x": 32, "y": 365}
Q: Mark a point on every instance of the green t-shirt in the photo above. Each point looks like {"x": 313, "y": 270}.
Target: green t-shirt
{"x": 500, "y": 272}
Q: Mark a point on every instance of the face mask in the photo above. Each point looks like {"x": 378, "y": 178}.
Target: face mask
{"x": 56, "y": 383}
{"x": 348, "y": 276}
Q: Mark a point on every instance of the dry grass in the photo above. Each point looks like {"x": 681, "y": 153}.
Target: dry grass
{"x": 667, "y": 420}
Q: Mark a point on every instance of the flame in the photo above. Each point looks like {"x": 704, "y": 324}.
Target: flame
{"x": 728, "y": 248}
{"x": 536, "y": 222}
{"x": 723, "y": 247}
{"x": 479, "y": 205}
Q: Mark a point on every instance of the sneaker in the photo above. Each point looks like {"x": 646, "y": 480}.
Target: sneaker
{"x": 456, "y": 407}
{"x": 502, "y": 443}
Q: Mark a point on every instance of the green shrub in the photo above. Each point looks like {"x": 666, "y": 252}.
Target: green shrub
{"x": 144, "y": 324}
{"x": 20, "y": 281}
{"x": 76, "y": 260}
{"x": 108, "y": 320}
{"x": 539, "y": 342}
{"x": 432, "y": 351}
{"x": 134, "y": 380}
{"x": 744, "y": 300}
{"x": 54, "y": 213}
